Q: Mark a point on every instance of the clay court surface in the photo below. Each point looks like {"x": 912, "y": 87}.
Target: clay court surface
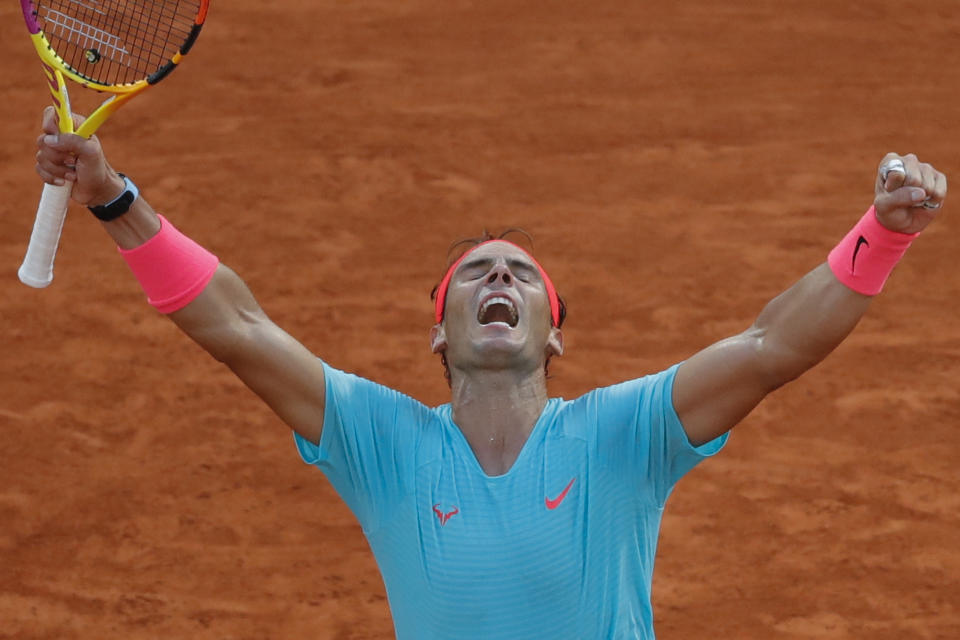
{"x": 678, "y": 164}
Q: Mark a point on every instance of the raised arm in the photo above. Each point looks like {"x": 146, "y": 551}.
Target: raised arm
{"x": 720, "y": 385}
{"x": 223, "y": 318}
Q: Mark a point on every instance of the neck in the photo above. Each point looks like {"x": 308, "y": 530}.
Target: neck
{"x": 496, "y": 411}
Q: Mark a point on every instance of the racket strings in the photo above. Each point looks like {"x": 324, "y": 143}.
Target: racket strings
{"x": 116, "y": 41}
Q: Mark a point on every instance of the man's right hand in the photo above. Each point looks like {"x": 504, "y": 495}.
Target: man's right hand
{"x": 65, "y": 157}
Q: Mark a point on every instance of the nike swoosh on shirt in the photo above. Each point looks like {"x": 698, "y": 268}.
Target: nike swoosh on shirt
{"x": 553, "y": 504}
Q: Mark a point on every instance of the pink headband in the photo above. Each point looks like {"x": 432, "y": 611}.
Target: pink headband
{"x": 551, "y": 291}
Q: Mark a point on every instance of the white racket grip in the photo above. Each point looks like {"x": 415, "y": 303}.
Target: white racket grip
{"x": 37, "y": 268}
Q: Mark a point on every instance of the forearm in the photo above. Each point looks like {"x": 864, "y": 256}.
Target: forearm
{"x": 219, "y": 313}
{"x": 135, "y": 227}
{"x": 208, "y": 301}
{"x": 223, "y": 317}
{"x": 717, "y": 387}
{"x": 226, "y": 321}
{"x": 801, "y": 326}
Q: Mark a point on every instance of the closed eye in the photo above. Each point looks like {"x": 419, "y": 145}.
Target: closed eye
{"x": 474, "y": 269}
{"x": 524, "y": 273}
{"x": 474, "y": 275}
{"x": 480, "y": 267}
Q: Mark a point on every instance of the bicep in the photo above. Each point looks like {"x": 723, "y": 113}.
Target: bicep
{"x": 229, "y": 324}
{"x": 285, "y": 375}
{"x": 720, "y": 385}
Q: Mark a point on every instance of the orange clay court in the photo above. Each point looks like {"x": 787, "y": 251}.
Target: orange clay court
{"x": 679, "y": 164}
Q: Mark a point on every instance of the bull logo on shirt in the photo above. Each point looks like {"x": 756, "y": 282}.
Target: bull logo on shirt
{"x": 444, "y": 516}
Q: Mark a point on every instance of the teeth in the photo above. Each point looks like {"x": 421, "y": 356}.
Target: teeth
{"x": 500, "y": 300}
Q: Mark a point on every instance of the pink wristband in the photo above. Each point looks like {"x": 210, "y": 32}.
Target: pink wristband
{"x": 171, "y": 268}
{"x": 865, "y": 257}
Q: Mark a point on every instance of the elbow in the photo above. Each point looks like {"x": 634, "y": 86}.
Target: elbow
{"x": 780, "y": 362}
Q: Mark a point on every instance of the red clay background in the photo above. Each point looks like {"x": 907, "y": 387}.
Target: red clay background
{"x": 679, "y": 164}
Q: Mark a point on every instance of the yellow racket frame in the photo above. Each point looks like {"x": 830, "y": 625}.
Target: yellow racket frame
{"x": 37, "y": 267}
{"x": 55, "y": 69}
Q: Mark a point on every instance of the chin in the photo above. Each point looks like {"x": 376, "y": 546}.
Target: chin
{"x": 499, "y": 344}
{"x": 502, "y": 342}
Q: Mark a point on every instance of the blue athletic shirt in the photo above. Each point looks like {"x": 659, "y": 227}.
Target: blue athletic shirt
{"x": 560, "y": 547}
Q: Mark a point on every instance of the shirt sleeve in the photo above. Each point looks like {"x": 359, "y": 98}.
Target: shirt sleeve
{"x": 638, "y": 429}
{"x": 368, "y": 444}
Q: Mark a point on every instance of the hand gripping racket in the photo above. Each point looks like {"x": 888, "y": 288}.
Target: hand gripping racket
{"x": 119, "y": 47}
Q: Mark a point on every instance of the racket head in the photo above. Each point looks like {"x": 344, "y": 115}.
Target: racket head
{"x": 116, "y": 46}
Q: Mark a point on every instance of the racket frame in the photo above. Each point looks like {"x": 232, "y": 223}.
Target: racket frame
{"x": 37, "y": 267}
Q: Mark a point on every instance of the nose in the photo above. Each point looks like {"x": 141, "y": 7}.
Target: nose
{"x": 500, "y": 271}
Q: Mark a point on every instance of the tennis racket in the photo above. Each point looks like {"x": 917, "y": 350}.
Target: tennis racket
{"x": 120, "y": 47}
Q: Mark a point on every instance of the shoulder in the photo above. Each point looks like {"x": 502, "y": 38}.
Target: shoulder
{"x": 349, "y": 393}
{"x": 347, "y": 383}
{"x": 628, "y": 395}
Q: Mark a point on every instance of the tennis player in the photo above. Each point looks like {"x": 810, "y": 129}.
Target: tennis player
{"x": 505, "y": 513}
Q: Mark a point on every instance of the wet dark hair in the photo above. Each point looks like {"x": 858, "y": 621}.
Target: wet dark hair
{"x": 460, "y": 247}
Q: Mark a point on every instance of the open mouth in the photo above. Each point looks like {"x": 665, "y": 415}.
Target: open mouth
{"x": 498, "y": 310}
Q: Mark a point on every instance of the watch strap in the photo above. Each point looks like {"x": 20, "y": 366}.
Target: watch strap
{"x": 119, "y": 205}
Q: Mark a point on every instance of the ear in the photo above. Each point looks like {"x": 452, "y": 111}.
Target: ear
{"x": 438, "y": 339}
{"x": 555, "y": 342}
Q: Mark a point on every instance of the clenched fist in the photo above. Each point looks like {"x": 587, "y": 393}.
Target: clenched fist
{"x": 909, "y": 193}
{"x": 65, "y": 157}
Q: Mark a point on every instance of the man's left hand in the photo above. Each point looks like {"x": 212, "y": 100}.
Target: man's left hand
{"x": 909, "y": 193}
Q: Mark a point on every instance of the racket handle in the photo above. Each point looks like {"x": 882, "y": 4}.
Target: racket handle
{"x": 37, "y": 268}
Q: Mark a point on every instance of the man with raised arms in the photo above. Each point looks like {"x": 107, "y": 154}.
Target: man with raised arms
{"x": 505, "y": 513}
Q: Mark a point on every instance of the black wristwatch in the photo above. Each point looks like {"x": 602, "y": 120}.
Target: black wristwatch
{"x": 119, "y": 205}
